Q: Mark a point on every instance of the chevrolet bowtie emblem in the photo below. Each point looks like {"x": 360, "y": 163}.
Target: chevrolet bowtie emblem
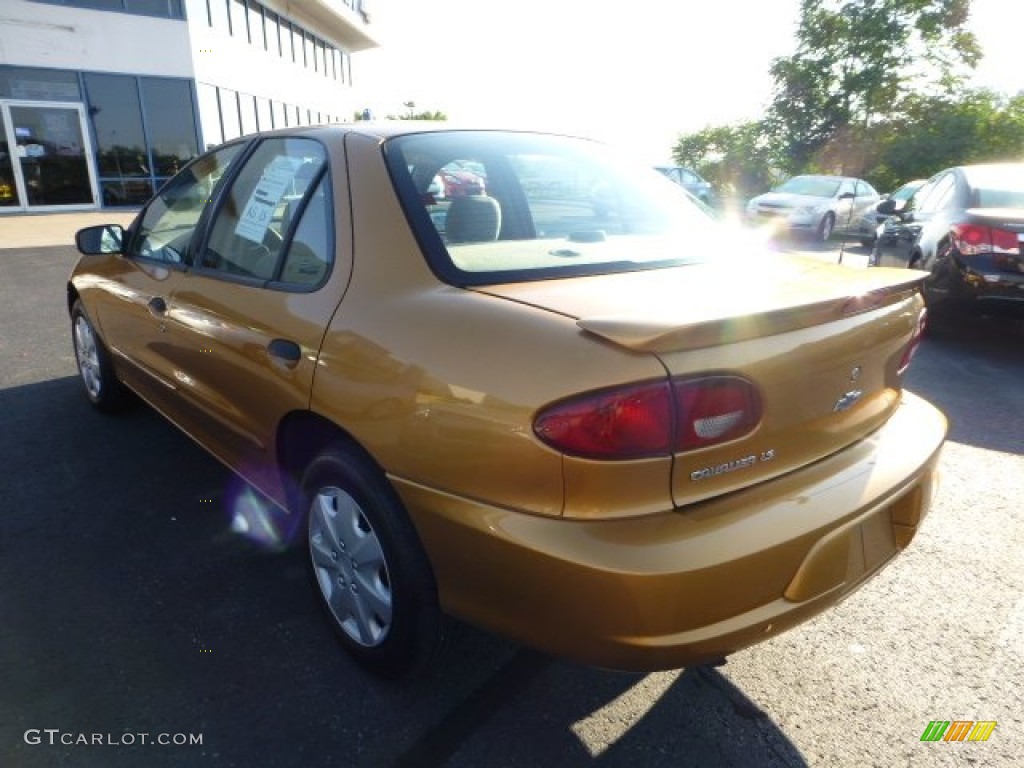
{"x": 847, "y": 400}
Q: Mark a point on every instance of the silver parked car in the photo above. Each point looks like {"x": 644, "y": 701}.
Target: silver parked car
{"x": 819, "y": 206}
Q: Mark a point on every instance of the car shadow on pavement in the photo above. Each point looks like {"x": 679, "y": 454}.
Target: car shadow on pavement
{"x": 570, "y": 715}
{"x": 132, "y": 605}
{"x": 955, "y": 368}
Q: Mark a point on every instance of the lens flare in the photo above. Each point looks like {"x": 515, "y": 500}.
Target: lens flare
{"x": 253, "y": 516}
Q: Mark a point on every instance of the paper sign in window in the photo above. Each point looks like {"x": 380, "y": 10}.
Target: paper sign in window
{"x": 272, "y": 186}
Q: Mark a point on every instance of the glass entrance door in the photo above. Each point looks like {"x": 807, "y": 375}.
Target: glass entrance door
{"x": 9, "y": 199}
{"x": 45, "y": 150}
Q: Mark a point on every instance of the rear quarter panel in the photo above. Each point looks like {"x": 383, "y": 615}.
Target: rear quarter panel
{"x": 441, "y": 384}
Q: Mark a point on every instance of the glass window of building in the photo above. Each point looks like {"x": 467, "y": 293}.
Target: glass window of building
{"x": 99, "y": 5}
{"x": 279, "y": 116}
{"x": 218, "y": 10}
{"x": 272, "y": 31}
{"x": 264, "y": 117}
{"x": 170, "y": 9}
{"x": 309, "y": 50}
{"x": 298, "y": 43}
{"x": 117, "y": 121}
{"x": 284, "y": 28}
{"x": 167, "y": 9}
{"x": 32, "y": 84}
{"x": 229, "y": 114}
{"x": 209, "y": 115}
{"x": 239, "y": 20}
{"x": 247, "y": 110}
{"x": 257, "y": 28}
{"x": 171, "y": 123}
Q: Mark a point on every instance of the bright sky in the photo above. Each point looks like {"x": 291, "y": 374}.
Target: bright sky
{"x": 633, "y": 72}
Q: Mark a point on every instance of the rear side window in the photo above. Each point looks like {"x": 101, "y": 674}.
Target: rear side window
{"x": 865, "y": 190}
{"x": 274, "y": 225}
{"x": 308, "y": 258}
{"x": 939, "y": 195}
{"x": 492, "y": 206}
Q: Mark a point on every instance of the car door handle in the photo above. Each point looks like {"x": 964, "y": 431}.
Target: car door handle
{"x": 284, "y": 350}
{"x": 157, "y": 306}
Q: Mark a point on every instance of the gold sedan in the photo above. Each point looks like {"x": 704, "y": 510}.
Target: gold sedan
{"x": 570, "y": 408}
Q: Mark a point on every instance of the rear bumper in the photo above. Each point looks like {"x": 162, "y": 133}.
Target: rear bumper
{"x": 985, "y": 291}
{"x": 689, "y": 585}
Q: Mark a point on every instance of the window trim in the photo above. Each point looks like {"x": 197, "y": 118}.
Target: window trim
{"x": 185, "y": 264}
{"x": 204, "y": 227}
{"x": 435, "y": 252}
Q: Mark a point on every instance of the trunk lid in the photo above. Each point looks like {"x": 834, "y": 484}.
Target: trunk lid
{"x": 822, "y": 344}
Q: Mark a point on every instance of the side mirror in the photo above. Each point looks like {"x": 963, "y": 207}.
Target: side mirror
{"x": 887, "y": 207}
{"x": 105, "y": 238}
{"x": 846, "y": 196}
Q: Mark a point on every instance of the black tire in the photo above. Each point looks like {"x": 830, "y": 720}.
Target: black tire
{"x": 826, "y": 227}
{"x": 369, "y": 566}
{"x": 95, "y": 368}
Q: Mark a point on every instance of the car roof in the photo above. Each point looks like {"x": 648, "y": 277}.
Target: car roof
{"x": 388, "y": 129}
{"x": 988, "y": 172}
{"x": 826, "y": 176}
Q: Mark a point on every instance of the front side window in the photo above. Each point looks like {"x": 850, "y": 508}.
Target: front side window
{"x": 279, "y": 199}
{"x": 171, "y": 218}
{"x": 906, "y": 192}
{"x": 496, "y": 206}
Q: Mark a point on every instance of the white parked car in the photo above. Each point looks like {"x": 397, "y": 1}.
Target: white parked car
{"x": 815, "y": 205}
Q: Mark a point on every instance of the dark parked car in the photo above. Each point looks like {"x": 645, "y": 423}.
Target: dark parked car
{"x": 965, "y": 226}
{"x": 689, "y": 180}
{"x": 877, "y": 224}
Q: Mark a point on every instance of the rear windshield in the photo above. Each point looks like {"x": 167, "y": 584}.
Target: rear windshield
{"x": 812, "y": 186}
{"x": 997, "y": 186}
{"x": 497, "y": 207}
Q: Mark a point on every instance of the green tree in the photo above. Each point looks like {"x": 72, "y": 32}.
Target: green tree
{"x": 736, "y": 159}
{"x": 425, "y": 115}
{"x": 938, "y": 132}
{"x": 857, "y": 63}
{"x": 410, "y": 114}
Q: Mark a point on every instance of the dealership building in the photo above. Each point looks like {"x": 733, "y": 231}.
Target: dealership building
{"x": 102, "y": 100}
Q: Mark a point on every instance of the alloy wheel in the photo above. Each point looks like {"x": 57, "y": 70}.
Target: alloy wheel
{"x": 88, "y": 357}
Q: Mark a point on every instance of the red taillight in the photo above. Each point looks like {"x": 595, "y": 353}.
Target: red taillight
{"x": 651, "y": 419}
{"x": 624, "y": 423}
{"x": 972, "y": 239}
{"x": 915, "y": 342}
{"x": 1004, "y": 241}
{"x": 714, "y": 410}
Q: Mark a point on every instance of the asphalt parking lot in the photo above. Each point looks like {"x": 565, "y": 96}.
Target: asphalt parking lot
{"x": 129, "y": 606}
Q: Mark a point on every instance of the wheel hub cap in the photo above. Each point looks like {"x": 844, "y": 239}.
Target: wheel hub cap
{"x": 350, "y": 566}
